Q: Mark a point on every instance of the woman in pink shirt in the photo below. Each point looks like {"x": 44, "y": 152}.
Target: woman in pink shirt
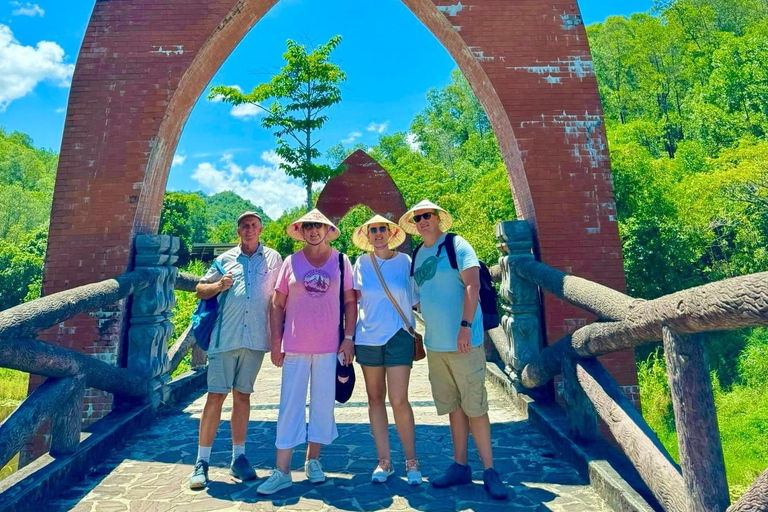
{"x": 304, "y": 322}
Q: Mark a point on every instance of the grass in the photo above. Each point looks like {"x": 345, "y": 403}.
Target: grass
{"x": 742, "y": 412}
{"x": 13, "y": 390}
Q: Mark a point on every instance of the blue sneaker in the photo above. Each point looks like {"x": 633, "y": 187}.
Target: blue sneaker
{"x": 493, "y": 485}
{"x": 242, "y": 469}
{"x": 456, "y": 474}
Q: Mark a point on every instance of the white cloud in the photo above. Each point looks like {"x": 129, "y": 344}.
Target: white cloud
{"x": 352, "y": 138}
{"x": 178, "y": 160}
{"x": 265, "y": 185}
{"x": 378, "y": 127}
{"x": 413, "y": 142}
{"x": 246, "y": 111}
{"x": 61, "y": 110}
{"x": 27, "y": 9}
{"x": 23, "y": 67}
{"x": 218, "y": 97}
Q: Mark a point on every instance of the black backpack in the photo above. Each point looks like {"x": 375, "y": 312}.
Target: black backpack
{"x": 488, "y": 295}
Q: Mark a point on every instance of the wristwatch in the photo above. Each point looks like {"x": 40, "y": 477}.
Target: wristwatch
{"x": 349, "y": 337}
{"x": 464, "y": 323}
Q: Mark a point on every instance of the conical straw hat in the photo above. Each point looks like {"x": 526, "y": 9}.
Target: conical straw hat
{"x": 294, "y": 230}
{"x": 406, "y": 221}
{"x": 360, "y": 236}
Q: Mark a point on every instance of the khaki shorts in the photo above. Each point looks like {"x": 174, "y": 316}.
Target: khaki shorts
{"x": 234, "y": 369}
{"x": 458, "y": 380}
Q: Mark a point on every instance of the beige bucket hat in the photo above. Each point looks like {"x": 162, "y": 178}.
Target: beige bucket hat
{"x": 360, "y": 236}
{"x": 406, "y": 221}
{"x": 294, "y": 229}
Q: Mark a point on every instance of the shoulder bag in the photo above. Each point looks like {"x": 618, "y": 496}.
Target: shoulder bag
{"x": 418, "y": 340}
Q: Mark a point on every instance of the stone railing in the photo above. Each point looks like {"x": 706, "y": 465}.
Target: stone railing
{"x": 60, "y": 398}
{"x": 590, "y": 392}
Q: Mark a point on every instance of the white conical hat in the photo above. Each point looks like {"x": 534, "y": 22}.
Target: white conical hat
{"x": 360, "y": 236}
{"x": 294, "y": 229}
{"x": 406, "y": 221}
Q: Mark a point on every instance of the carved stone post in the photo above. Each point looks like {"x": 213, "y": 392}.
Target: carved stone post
{"x": 150, "y": 326}
{"x": 521, "y": 321}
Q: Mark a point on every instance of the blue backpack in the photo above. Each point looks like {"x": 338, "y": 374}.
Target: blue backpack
{"x": 204, "y": 317}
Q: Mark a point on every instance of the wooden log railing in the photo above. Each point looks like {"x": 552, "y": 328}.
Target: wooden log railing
{"x": 624, "y": 322}
{"x": 60, "y": 398}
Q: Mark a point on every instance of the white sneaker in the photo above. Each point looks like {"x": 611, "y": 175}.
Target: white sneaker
{"x": 412, "y": 472}
{"x": 314, "y": 471}
{"x": 382, "y": 471}
{"x": 276, "y": 482}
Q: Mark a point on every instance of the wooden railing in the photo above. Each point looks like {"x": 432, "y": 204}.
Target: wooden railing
{"x": 623, "y": 322}
{"x": 60, "y": 398}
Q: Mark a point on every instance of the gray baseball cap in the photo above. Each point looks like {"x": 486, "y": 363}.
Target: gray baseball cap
{"x": 248, "y": 214}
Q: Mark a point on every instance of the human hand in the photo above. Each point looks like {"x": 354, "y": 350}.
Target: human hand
{"x": 277, "y": 357}
{"x": 348, "y": 349}
{"x": 226, "y": 282}
{"x": 464, "y": 340}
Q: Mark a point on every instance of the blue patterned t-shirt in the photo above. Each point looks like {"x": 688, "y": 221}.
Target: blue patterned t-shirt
{"x": 442, "y": 294}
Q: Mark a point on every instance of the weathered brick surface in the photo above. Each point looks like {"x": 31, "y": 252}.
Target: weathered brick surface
{"x": 364, "y": 181}
{"x": 144, "y": 63}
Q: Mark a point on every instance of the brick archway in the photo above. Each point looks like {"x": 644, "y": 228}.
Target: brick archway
{"x": 364, "y": 181}
{"x": 144, "y": 63}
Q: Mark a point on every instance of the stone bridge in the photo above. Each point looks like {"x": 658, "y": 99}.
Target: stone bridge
{"x": 96, "y": 343}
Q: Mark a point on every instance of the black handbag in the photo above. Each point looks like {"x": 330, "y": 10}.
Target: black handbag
{"x": 345, "y": 374}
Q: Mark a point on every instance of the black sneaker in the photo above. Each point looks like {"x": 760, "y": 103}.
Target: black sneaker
{"x": 456, "y": 474}
{"x": 493, "y": 485}
{"x": 242, "y": 469}
{"x": 199, "y": 478}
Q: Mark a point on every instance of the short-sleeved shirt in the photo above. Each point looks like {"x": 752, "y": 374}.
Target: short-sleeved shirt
{"x": 244, "y": 319}
{"x": 377, "y": 318}
{"x": 442, "y": 294}
{"x": 312, "y": 308}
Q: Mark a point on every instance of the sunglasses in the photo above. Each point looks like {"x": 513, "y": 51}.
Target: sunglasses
{"x": 380, "y": 229}
{"x": 310, "y": 225}
{"x": 425, "y": 216}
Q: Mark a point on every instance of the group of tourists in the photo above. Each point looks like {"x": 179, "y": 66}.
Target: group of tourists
{"x": 315, "y": 311}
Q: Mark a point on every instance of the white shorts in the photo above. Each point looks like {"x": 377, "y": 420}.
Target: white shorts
{"x": 319, "y": 372}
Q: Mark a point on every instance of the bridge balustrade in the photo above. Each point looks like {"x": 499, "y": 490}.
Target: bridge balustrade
{"x": 623, "y": 322}
{"x": 589, "y": 391}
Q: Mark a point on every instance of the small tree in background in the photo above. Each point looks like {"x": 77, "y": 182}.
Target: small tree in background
{"x": 305, "y": 87}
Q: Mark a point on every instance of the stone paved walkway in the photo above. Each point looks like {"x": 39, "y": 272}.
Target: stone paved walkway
{"x": 151, "y": 473}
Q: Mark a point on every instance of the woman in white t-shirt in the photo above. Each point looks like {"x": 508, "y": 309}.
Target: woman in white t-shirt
{"x": 383, "y": 345}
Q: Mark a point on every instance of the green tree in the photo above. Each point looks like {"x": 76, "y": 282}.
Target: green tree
{"x": 302, "y": 92}
{"x": 184, "y": 216}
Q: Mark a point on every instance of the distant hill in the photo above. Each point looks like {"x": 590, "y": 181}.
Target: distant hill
{"x": 227, "y": 206}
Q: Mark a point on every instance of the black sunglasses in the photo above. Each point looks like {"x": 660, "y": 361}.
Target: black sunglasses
{"x": 380, "y": 229}
{"x": 425, "y": 216}
{"x": 310, "y": 225}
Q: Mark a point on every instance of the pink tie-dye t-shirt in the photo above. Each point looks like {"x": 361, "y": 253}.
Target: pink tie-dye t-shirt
{"x": 312, "y": 308}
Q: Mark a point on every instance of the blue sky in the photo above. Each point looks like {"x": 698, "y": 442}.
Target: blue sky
{"x": 221, "y": 149}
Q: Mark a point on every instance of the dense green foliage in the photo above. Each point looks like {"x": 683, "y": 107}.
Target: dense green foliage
{"x": 685, "y": 96}
{"x": 199, "y": 218}
{"x": 27, "y": 175}
{"x": 301, "y": 92}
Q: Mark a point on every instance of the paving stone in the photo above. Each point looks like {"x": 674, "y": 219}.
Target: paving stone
{"x": 151, "y": 473}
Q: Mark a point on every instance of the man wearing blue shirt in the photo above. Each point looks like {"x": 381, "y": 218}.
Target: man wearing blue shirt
{"x": 453, "y": 336}
{"x": 239, "y": 340}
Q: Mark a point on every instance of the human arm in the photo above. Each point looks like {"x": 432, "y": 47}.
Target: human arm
{"x": 471, "y": 279}
{"x": 350, "y": 321}
{"x": 276, "y": 319}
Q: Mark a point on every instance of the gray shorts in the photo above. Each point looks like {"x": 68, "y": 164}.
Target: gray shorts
{"x": 234, "y": 369}
{"x": 397, "y": 351}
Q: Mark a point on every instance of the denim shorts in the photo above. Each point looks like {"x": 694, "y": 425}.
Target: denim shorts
{"x": 397, "y": 351}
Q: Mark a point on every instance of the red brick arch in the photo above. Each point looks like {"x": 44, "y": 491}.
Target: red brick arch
{"x": 144, "y": 63}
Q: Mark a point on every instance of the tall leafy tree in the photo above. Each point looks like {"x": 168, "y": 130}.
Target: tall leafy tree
{"x": 302, "y": 92}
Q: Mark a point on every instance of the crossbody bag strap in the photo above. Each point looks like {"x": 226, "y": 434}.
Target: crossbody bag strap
{"x": 391, "y": 298}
